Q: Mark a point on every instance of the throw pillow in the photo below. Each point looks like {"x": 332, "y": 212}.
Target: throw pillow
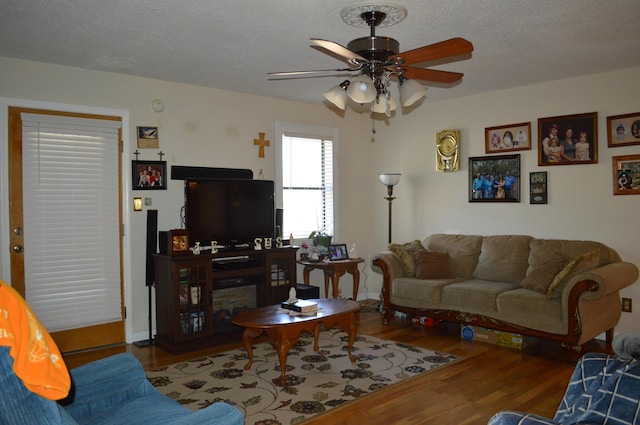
{"x": 432, "y": 265}
{"x": 586, "y": 261}
{"x": 404, "y": 252}
{"x": 540, "y": 278}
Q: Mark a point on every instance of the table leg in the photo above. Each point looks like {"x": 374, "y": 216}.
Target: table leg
{"x": 326, "y": 284}
{"x": 356, "y": 282}
{"x": 247, "y": 339}
{"x": 305, "y": 274}
{"x": 316, "y": 333}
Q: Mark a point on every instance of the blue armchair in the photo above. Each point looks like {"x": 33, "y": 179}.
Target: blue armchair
{"x": 603, "y": 390}
{"x": 110, "y": 391}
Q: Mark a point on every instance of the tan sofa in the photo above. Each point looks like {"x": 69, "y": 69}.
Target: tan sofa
{"x": 555, "y": 289}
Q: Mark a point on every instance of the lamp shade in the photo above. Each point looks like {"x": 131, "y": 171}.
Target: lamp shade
{"x": 338, "y": 96}
{"x": 390, "y": 179}
{"x": 380, "y": 106}
{"x": 362, "y": 90}
{"x": 411, "y": 91}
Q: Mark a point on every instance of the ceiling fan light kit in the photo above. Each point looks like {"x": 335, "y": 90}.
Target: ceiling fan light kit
{"x": 375, "y": 61}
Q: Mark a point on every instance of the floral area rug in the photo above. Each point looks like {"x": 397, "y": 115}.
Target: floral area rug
{"x": 315, "y": 381}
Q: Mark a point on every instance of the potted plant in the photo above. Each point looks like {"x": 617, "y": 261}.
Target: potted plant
{"x": 320, "y": 238}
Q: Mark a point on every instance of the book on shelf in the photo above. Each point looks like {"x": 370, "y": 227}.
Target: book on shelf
{"x": 301, "y": 306}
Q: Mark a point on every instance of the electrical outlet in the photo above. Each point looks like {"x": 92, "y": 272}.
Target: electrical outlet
{"x": 626, "y": 305}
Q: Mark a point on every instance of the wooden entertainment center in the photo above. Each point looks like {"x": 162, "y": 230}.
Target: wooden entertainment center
{"x": 196, "y": 295}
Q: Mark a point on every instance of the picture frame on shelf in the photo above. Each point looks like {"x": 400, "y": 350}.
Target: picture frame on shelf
{"x": 538, "y": 187}
{"x": 568, "y": 139}
{"x": 148, "y": 137}
{"x": 507, "y": 138}
{"x": 623, "y": 130}
{"x": 149, "y": 175}
{"x": 494, "y": 178}
{"x": 626, "y": 175}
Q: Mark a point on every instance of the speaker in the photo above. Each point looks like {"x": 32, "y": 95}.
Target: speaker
{"x": 279, "y": 227}
{"x": 181, "y": 172}
{"x": 152, "y": 245}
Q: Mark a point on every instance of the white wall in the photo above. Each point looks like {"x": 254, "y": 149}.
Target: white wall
{"x": 208, "y": 127}
{"x": 581, "y": 204}
{"x": 198, "y": 127}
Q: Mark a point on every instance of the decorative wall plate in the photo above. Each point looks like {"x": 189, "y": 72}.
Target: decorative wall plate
{"x": 448, "y": 150}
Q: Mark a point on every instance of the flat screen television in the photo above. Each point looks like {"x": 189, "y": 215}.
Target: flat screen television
{"x": 232, "y": 212}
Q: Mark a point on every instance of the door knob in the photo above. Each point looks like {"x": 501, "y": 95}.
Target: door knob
{"x": 18, "y": 248}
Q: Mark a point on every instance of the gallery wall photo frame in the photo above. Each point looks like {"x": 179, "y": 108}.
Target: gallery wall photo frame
{"x": 149, "y": 175}
{"x": 538, "y": 187}
{"x": 568, "y": 139}
{"x": 623, "y": 130}
{"x": 626, "y": 175}
{"x": 494, "y": 178}
{"x": 507, "y": 138}
{"x": 148, "y": 138}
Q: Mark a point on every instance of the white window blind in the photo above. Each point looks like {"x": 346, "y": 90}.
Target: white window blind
{"x": 71, "y": 220}
{"x": 307, "y": 185}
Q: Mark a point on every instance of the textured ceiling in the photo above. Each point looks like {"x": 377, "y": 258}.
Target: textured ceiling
{"x": 233, "y": 44}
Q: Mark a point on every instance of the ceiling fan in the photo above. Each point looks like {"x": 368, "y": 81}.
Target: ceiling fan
{"x": 373, "y": 61}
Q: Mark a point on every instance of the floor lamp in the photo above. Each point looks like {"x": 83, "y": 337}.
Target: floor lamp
{"x": 390, "y": 180}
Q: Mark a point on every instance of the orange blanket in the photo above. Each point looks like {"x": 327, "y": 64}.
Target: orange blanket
{"x": 36, "y": 358}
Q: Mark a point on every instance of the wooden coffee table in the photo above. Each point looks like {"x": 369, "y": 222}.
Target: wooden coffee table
{"x": 283, "y": 330}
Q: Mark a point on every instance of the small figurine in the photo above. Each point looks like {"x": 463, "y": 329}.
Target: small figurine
{"x": 292, "y": 296}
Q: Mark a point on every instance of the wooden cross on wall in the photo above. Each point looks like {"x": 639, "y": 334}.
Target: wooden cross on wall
{"x": 262, "y": 143}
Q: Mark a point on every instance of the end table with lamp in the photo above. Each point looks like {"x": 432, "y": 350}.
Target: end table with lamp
{"x": 333, "y": 270}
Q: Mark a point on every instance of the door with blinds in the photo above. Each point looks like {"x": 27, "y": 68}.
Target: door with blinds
{"x": 65, "y": 222}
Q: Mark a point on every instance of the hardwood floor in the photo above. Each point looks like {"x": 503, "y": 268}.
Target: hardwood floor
{"x": 469, "y": 392}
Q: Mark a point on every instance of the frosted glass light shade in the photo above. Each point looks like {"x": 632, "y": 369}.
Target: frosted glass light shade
{"x": 380, "y": 107}
{"x": 390, "y": 179}
{"x": 362, "y": 90}
{"x": 411, "y": 91}
{"x": 338, "y": 96}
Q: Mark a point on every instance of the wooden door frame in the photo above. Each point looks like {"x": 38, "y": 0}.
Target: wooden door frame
{"x": 126, "y": 201}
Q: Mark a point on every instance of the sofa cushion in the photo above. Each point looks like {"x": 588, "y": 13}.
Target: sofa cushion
{"x": 532, "y": 310}
{"x": 405, "y": 253}
{"x": 432, "y": 265}
{"x": 503, "y": 258}
{"x": 540, "y": 278}
{"x": 463, "y": 251}
{"x": 586, "y": 261}
{"x": 474, "y": 296}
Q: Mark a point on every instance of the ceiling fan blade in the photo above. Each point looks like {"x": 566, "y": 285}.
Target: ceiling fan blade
{"x": 444, "y": 49}
{"x": 434, "y": 75}
{"x": 307, "y": 73}
{"x": 339, "y": 50}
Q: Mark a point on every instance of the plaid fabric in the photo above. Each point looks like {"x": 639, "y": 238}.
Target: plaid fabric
{"x": 603, "y": 390}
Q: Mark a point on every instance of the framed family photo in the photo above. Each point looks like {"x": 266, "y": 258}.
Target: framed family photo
{"x": 494, "y": 178}
{"x": 626, "y": 175}
{"x": 149, "y": 175}
{"x": 505, "y": 138}
{"x": 623, "y": 130}
{"x": 568, "y": 139}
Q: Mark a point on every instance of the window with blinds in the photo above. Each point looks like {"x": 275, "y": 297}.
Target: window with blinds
{"x": 307, "y": 184}
{"x": 71, "y": 220}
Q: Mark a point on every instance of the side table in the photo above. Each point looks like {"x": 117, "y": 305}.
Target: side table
{"x": 333, "y": 270}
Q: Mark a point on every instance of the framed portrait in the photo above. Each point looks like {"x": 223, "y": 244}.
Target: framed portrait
{"x": 623, "y": 130}
{"x": 506, "y": 138}
{"x": 494, "y": 178}
{"x": 148, "y": 138}
{"x": 538, "y": 187}
{"x": 626, "y": 175}
{"x": 568, "y": 139}
{"x": 149, "y": 175}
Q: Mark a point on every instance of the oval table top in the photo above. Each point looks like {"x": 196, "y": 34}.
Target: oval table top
{"x": 271, "y": 316}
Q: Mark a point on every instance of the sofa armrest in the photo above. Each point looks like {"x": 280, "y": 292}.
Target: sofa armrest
{"x": 98, "y": 385}
{"x": 609, "y": 278}
{"x": 219, "y": 413}
{"x": 509, "y": 417}
{"x": 392, "y": 264}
